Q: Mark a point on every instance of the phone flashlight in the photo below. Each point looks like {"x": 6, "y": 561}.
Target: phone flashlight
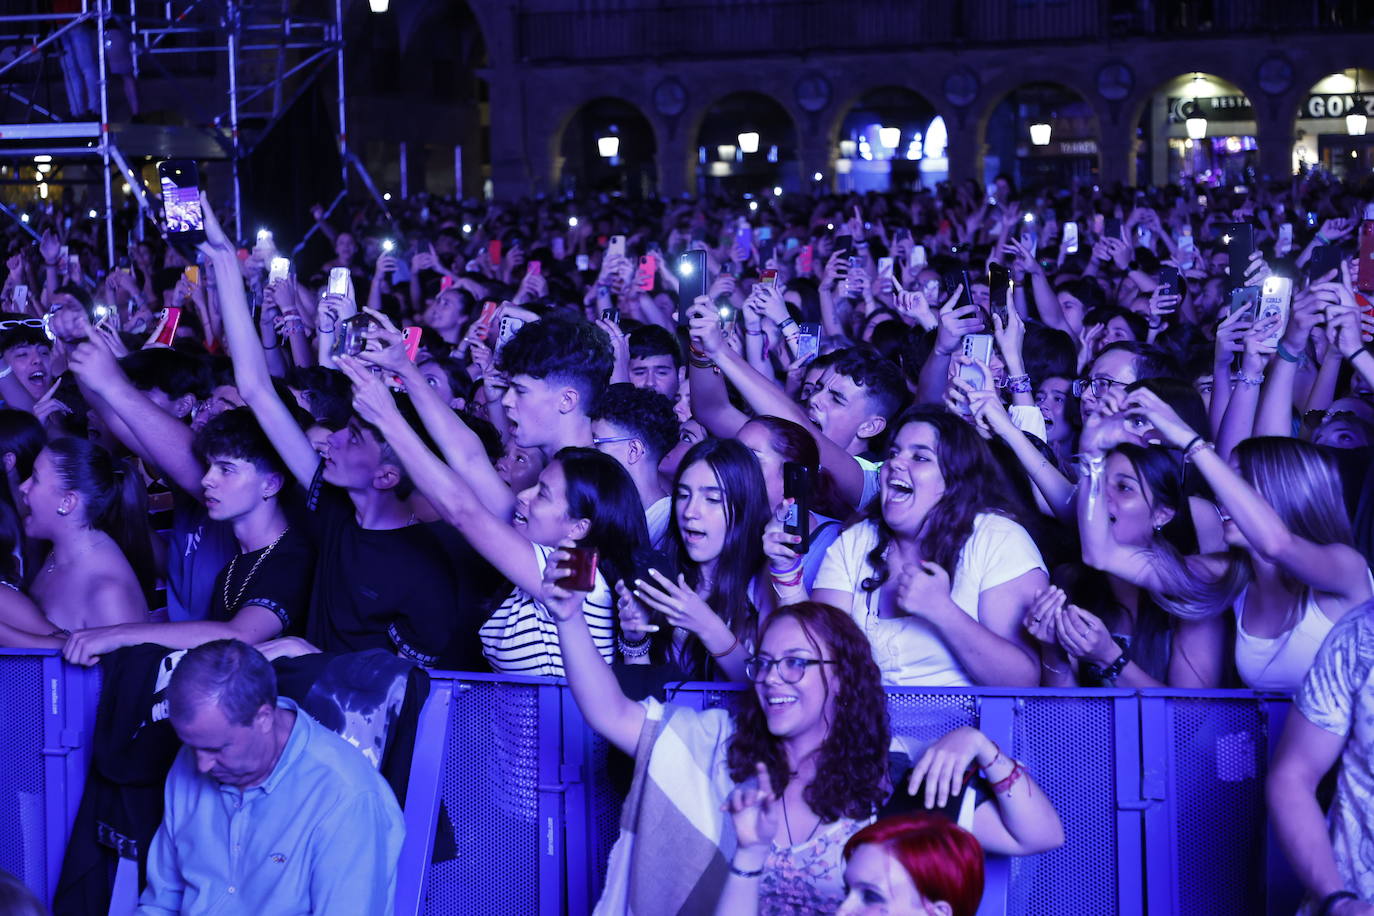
{"x": 101, "y": 312}
{"x": 572, "y": 222}
{"x": 264, "y": 235}
{"x": 467, "y": 228}
{"x": 753, "y": 205}
{"x": 388, "y": 245}
{"x": 685, "y": 268}
{"x": 1029, "y": 217}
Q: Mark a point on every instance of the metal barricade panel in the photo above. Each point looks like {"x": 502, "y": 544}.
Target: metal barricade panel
{"x": 22, "y": 783}
{"x": 1219, "y": 751}
{"x": 491, "y": 787}
{"x": 1067, "y": 744}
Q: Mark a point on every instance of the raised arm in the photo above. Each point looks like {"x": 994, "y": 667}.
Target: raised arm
{"x": 250, "y": 364}
{"x": 452, "y": 497}
{"x": 149, "y": 431}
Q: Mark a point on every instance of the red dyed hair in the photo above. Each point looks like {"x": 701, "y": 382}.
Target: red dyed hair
{"x": 944, "y": 861}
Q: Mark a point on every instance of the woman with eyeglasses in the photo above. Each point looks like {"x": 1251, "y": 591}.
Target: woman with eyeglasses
{"x": 811, "y": 738}
{"x": 1284, "y": 508}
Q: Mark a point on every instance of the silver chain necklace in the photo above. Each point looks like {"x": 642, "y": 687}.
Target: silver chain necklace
{"x": 229, "y": 606}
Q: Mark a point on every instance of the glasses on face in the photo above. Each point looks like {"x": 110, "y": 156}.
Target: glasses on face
{"x": 609, "y": 440}
{"x": 1098, "y": 385}
{"x": 791, "y": 668}
{"x": 21, "y": 323}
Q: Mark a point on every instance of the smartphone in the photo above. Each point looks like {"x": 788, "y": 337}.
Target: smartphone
{"x": 494, "y": 251}
{"x": 1239, "y": 239}
{"x": 611, "y": 313}
{"x": 100, "y": 312}
{"x": 977, "y": 347}
{"x": 1311, "y": 219}
{"x": 533, "y": 268}
{"x": 1364, "y": 274}
{"x": 482, "y": 326}
{"x": 280, "y": 270}
{"x": 691, "y": 284}
{"x": 559, "y": 248}
{"x": 182, "y": 218}
{"x": 166, "y": 331}
{"x": 855, "y": 265}
{"x": 1168, "y": 281}
{"x": 74, "y": 266}
{"x": 798, "y": 483}
{"x": 768, "y": 279}
{"x": 1324, "y": 260}
{"x": 583, "y": 262}
{"x": 351, "y": 338}
{"x": 507, "y": 329}
{"x": 1286, "y": 234}
{"x": 410, "y": 336}
{"x": 918, "y": 257}
{"x": 728, "y": 313}
{"x": 999, "y": 289}
{"x": 804, "y": 258}
{"x": 884, "y": 271}
{"x": 954, "y": 279}
{"x": 1144, "y": 238}
{"x": 1245, "y": 298}
{"x": 265, "y": 241}
{"x": 192, "y": 274}
{"x": 1070, "y": 239}
{"x": 646, "y": 272}
{"x": 581, "y": 570}
{"x": 616, "y": 246}
{"x": 1186, "y": 247}
{"x": 744, "y": 238}
{"x": 1111, "y": 227}
{"x": 1275, "y": 298}
{"x": 21, "y": 297}
{"x": 808, "y": 341}
{"x": 338, "y": 281}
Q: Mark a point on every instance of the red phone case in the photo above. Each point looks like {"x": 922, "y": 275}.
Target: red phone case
{"x": 1364, "y": 275}
{"x": 166, "y": 330}
{"x": 494, "y": 251}
{"x": 644, "y": 277}
{"x": 482, "y": 327}
{"x": 804, "y": 260}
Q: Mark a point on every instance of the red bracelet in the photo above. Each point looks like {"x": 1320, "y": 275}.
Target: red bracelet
{"x": 733, "y": 645}
{"x": 1004, "y": 785}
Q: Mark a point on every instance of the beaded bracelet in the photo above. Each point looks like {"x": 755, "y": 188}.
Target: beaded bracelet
{"x": 634, "y": 650}
{"x": 786, "y": 323}
{"x": 1019, "y": 384}
{"x": 1192, "y": 452}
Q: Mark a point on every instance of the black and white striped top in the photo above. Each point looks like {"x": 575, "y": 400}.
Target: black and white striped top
{"x": 520, "y": 637}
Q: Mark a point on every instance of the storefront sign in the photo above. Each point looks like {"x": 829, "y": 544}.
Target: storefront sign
{"x": 1237, "y": 107}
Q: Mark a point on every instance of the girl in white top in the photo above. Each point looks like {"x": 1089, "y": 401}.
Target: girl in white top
{"x": 940, "y": 575}
{"x": 1285, "y": 510}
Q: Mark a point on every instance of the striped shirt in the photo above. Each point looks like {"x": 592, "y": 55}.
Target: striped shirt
{"x": 520, "y": 637}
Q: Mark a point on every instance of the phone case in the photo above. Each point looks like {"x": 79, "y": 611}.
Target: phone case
{"x": 411, "y": 337}
{"x": 166, "y": 331}
{"x": 1364, "y": 275}
{"x": 482, "y": 326}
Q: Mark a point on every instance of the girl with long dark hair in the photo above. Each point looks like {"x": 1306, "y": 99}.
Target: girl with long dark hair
{"x": 581, "y": 495}
{"x": 715, "y": 540}
{"x": 940, "y": 574}
{"x": 94, "y": 511}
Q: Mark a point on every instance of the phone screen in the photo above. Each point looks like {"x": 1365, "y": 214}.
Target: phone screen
{"x": 1239, "y": 239}
{"x": 798, "y": 483}
{"x": 182, "y": 215}
{"x": 691, "y": 272}
{"x": 1364, "y": 275}
{"x": 338, "y": 281}
{"x": 999, "y": 289}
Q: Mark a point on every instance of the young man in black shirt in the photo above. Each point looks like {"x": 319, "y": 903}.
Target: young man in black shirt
{"x": 264, "y": 591}
{"x": 382, "y": 580}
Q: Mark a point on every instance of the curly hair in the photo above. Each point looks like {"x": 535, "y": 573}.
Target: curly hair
{"x": 851, "y": 767}
{"x": 973, "y": 485}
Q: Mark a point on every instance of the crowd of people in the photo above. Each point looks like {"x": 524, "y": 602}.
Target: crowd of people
{"x": 1071, "y": 437}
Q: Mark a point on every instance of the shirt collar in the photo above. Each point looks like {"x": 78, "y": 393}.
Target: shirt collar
{"x": 295, "y": 746}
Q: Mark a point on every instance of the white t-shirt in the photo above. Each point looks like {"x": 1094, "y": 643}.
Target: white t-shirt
{"x": 657, "y": 517}
{"x": 908, "y": 651}
{"x": 521, "y": 638}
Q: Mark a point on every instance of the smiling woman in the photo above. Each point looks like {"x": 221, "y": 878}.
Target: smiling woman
{"x": 940, "y": 574}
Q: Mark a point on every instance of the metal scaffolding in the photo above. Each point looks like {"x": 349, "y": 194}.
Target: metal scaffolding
{"x": 256, "y": 56}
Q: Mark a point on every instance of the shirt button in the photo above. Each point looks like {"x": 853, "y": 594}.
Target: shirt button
{"x": 232, "y": 889}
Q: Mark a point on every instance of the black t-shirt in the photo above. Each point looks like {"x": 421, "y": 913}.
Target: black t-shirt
{"x": 277, "y": 577}
{"x": 395, "y": 589}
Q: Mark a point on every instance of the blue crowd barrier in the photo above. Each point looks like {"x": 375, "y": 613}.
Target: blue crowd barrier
{"x": 1161, "y": 792}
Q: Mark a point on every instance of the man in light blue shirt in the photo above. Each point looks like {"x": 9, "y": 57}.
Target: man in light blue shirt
{"x": 267, "y": 811}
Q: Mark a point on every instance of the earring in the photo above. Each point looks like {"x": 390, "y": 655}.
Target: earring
{"x": 61, "y": 511}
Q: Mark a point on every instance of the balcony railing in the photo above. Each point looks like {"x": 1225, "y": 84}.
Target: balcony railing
{"x": 730, "y": 28}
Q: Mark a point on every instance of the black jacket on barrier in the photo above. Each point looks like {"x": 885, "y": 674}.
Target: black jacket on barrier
{"x": 372, "y": 697}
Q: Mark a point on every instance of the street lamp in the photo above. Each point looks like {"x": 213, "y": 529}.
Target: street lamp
{"x": 1196, "y": 126}
{"x": 378, "y": 6}
{"x": 890, "y": 137}
{"x": 608, "y": 146}
{"x": 1356, "y": 122}
{"x": 749, "y": 141}
{"x": 1040, "y": 134}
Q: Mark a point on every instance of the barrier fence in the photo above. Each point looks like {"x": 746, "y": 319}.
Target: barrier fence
{"x": 1161, "y": 792}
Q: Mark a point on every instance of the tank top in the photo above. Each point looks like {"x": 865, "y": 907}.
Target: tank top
{"x": 1280, "y": 663}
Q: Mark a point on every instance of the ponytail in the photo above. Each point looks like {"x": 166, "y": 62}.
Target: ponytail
{"x": 114, "y": 498}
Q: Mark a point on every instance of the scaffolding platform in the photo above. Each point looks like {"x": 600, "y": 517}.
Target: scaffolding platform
{"x": 76, "y": 138}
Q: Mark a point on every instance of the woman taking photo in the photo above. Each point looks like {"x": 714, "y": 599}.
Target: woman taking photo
{"x": 826, "y": 772}
{"x": 1285, "y": 511}
{"x": 581, "y": 495}
{"x": 715, "y": 541}
{"x": 941, "y": 574}
{"x": 93, "y": 510}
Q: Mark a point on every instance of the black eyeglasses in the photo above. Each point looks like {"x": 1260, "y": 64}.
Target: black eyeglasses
{"x": 791, "y": 668}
